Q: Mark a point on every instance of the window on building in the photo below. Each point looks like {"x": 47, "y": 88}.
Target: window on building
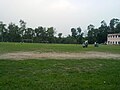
{"x": 113, "y": 42}
{"x": 119, "y": 42}
{"x": 116, "y": 43}
{"x": 118, "y": 35}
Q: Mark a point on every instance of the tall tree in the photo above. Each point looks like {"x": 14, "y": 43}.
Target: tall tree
{"x": 41, "y": 34}
{"x": 59, "y": 38}
{"x": 29, "y": 33}
{"x": 102, "y": 32}
{"x": 90, "y": 27}
{"x": 50, "y": 34}
{"x": 79, "y": 35}
{"x": 22, "y": 28}
{"x": 14, "y": 35}
{"x": 113, "y": 24}
{"x": 59, "y": 35}
{"x": 2, "y": 30}
{"x": 91, "y": 34}
{"x": 74, "y": 32}
{"x": 117, "y": 29}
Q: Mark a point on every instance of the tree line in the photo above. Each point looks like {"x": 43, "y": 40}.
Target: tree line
{"x": 100, "y": 34}
{"x": 21, "y": 33}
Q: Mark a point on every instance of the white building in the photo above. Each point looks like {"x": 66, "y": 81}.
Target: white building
{"x": 113, "y": 38}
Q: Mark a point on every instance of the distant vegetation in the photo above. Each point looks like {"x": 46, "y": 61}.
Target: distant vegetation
{"x": 21, "y": 33}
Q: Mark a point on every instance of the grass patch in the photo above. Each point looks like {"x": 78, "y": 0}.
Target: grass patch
{"x": 86, "y": 74}
{"x": 15, "y": 47}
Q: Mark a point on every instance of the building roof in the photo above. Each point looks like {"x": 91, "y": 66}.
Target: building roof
{"x": 113, "y": 34}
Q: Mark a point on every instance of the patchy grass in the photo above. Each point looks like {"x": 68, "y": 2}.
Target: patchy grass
{"x": 86, "y": 74}
{"x": 51, "y": 74}
{"x": 15, "y": 47}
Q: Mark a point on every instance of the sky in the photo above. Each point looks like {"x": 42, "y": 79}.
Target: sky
{"x": 60, "y": 14}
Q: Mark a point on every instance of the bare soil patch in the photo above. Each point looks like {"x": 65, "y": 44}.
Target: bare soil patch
{"x": 54, "y": 55}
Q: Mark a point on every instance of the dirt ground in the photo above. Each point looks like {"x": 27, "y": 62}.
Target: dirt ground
{"x": 54, "y": 55}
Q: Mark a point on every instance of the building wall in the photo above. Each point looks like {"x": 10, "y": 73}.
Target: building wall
{"x": 113, "y": 39}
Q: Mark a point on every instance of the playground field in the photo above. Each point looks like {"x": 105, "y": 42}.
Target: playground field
{"x": 25, "y": 66}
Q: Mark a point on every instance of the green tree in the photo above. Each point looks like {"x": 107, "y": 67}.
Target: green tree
{"x": 43, "y": 34}
{"x": 117, "y": 29}
{"x": 59, "y": 35}
{"x": 2, "y": 30}
{"x": 79, "y": 35}
{"x": 14, "y": 35}
{"x": 50, "y": 35}
{"x": 74, "y": 32}
{"x": 91, "y": 34}
{"x": 59, "y": 38}
{"x": 102, "y": 32}
{"x": 69, "y": 40}
{"x": 113, "y": 24}
{"x": 22, "y": 28}
{"x": 37, "y": 34}
{"x": 40, "y": 34}
{"x": 29, "y": 34}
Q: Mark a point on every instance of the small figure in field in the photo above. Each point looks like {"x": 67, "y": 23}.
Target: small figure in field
{"x": 85, "y": 44}
{"x": 96, "y": 44}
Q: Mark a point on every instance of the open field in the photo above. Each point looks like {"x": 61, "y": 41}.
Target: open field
{"x": 59, "y": 67}
{"x": 74, "y": 48}
{"x": 18, "y": 51}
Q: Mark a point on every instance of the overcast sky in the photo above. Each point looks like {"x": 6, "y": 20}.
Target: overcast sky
{"x": 61, "y": 14}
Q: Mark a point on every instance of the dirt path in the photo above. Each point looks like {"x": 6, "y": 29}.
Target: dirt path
{"x": 53, "y": 55}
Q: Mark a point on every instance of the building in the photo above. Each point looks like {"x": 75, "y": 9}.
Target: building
{"x": 113, "y": 38}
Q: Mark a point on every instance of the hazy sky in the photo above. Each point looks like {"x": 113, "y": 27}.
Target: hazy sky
{"x": 61, "y": 14}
